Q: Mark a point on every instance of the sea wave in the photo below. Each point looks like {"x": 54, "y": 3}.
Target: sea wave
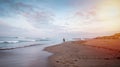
{"x": 9, "y": 41}
{"x": 9, "y": 48}
{"x": 27, "y": 40}
{"x": 18, "y": 41}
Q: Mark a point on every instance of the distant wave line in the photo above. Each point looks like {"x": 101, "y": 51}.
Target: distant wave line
{"x": 17, "y": 41}
{"x": 10, "y": 48}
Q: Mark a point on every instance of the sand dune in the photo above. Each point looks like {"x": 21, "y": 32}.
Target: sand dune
{"x": 111, "y": 44}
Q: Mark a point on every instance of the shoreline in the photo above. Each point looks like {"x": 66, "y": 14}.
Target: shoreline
{"x": 33, "y": 56}
{"x": 21, "y": 47}
{"x": 80, "y": 53}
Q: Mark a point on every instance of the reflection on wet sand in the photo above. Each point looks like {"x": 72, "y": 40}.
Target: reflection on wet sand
{"x": 25, "y": 57}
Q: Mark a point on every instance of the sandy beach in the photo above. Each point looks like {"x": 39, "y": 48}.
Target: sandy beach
{"x": 88, "y": 53}
{"x": 59, "y": 33}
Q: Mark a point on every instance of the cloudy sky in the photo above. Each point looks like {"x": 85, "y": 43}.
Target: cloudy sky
{"x": 48, "y": 18}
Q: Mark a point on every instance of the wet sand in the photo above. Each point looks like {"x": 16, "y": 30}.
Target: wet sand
{"x": 33, "y": 56}
{"x": 89, "y": 53}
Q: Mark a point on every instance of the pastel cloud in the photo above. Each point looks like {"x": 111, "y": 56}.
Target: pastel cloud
{"x": 53, "y": 16}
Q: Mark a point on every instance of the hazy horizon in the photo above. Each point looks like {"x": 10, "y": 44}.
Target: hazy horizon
{"x": 59, "y": 18}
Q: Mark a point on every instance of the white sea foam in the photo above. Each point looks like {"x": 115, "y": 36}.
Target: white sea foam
{"x": 9, "y": 41}
{"x": 27, "y": 40}
{"x": 17, "y": 42}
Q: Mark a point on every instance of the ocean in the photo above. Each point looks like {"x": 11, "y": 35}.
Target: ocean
{"x": 17, "y": 42}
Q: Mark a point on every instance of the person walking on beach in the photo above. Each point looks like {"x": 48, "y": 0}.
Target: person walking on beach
{"x": 63, "y": 39}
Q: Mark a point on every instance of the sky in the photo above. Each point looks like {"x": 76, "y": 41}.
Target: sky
{"x": 59, "y": 18}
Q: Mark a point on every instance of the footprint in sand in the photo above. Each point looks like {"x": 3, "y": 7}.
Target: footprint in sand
{"x": 57, "y": 61}
{"x": 106, "y": 58}
{"x": 118, "y": 58}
